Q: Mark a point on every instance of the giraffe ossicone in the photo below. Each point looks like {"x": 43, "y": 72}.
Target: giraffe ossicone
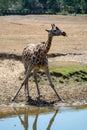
{"x": 34, "y": 58}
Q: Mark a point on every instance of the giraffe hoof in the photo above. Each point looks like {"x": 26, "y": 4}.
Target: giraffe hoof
{"x": 30, "y": 102}
{"x": 12, "y": 99}
{"x": 60, "y": 99}
{"x": 40, "y": 96}
{"x": 28, "y": 99}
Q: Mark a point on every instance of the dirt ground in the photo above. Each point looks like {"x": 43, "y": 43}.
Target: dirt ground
{"x": 17, "y": 31}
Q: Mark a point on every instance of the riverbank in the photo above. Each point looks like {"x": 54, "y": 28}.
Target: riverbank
{"x": 67, "y": 66}
{"x": 71, "y": 85}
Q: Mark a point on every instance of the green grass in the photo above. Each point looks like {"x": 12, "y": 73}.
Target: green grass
{"x": 67, "y": 68}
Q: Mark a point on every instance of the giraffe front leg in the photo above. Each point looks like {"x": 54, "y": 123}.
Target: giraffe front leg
{"x": 35, "y": 78}
{"x": 24, "y": 81}
{"x": 50, "y": 81}
{"x": 13, "y": 98}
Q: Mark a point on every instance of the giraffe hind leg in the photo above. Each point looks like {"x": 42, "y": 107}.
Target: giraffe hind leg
{"x": 50, "y": 81}
{"x": 26, "y": 89}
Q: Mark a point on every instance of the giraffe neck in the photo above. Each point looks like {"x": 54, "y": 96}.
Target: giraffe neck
{"x": 48, "y": 43}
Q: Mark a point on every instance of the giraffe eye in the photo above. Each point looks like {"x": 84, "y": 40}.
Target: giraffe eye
{"x": 54, "y": 30}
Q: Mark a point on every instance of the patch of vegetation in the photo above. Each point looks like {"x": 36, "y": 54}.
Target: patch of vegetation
{"x": 67, "y": 68}
{"x": 69, "y": 73}
{"x": 63, "y": 73}
{"x": 44, "y": 6}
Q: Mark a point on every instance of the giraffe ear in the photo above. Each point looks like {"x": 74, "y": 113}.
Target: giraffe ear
{"x": 52, "y": 25}
{"x": 57, "y": 28}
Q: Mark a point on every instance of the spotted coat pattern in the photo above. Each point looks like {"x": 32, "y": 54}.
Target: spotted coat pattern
{"x": 35, "y": 57}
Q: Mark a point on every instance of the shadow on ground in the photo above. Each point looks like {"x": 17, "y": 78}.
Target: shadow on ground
{"x": 40, "y": 103}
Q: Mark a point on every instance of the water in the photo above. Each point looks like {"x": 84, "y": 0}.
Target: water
{"x": 65, "y": 118}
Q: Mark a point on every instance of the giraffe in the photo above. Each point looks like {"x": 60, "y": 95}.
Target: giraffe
{"x": 35, "y": 58}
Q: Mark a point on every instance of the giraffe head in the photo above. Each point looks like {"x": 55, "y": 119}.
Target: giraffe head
{"x": 55, "y": 31}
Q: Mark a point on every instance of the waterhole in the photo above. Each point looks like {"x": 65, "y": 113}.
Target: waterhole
{"x": 40, "y": 118}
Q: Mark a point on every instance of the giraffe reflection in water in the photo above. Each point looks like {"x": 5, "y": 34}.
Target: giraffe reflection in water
{"x": 25, "y": 122}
